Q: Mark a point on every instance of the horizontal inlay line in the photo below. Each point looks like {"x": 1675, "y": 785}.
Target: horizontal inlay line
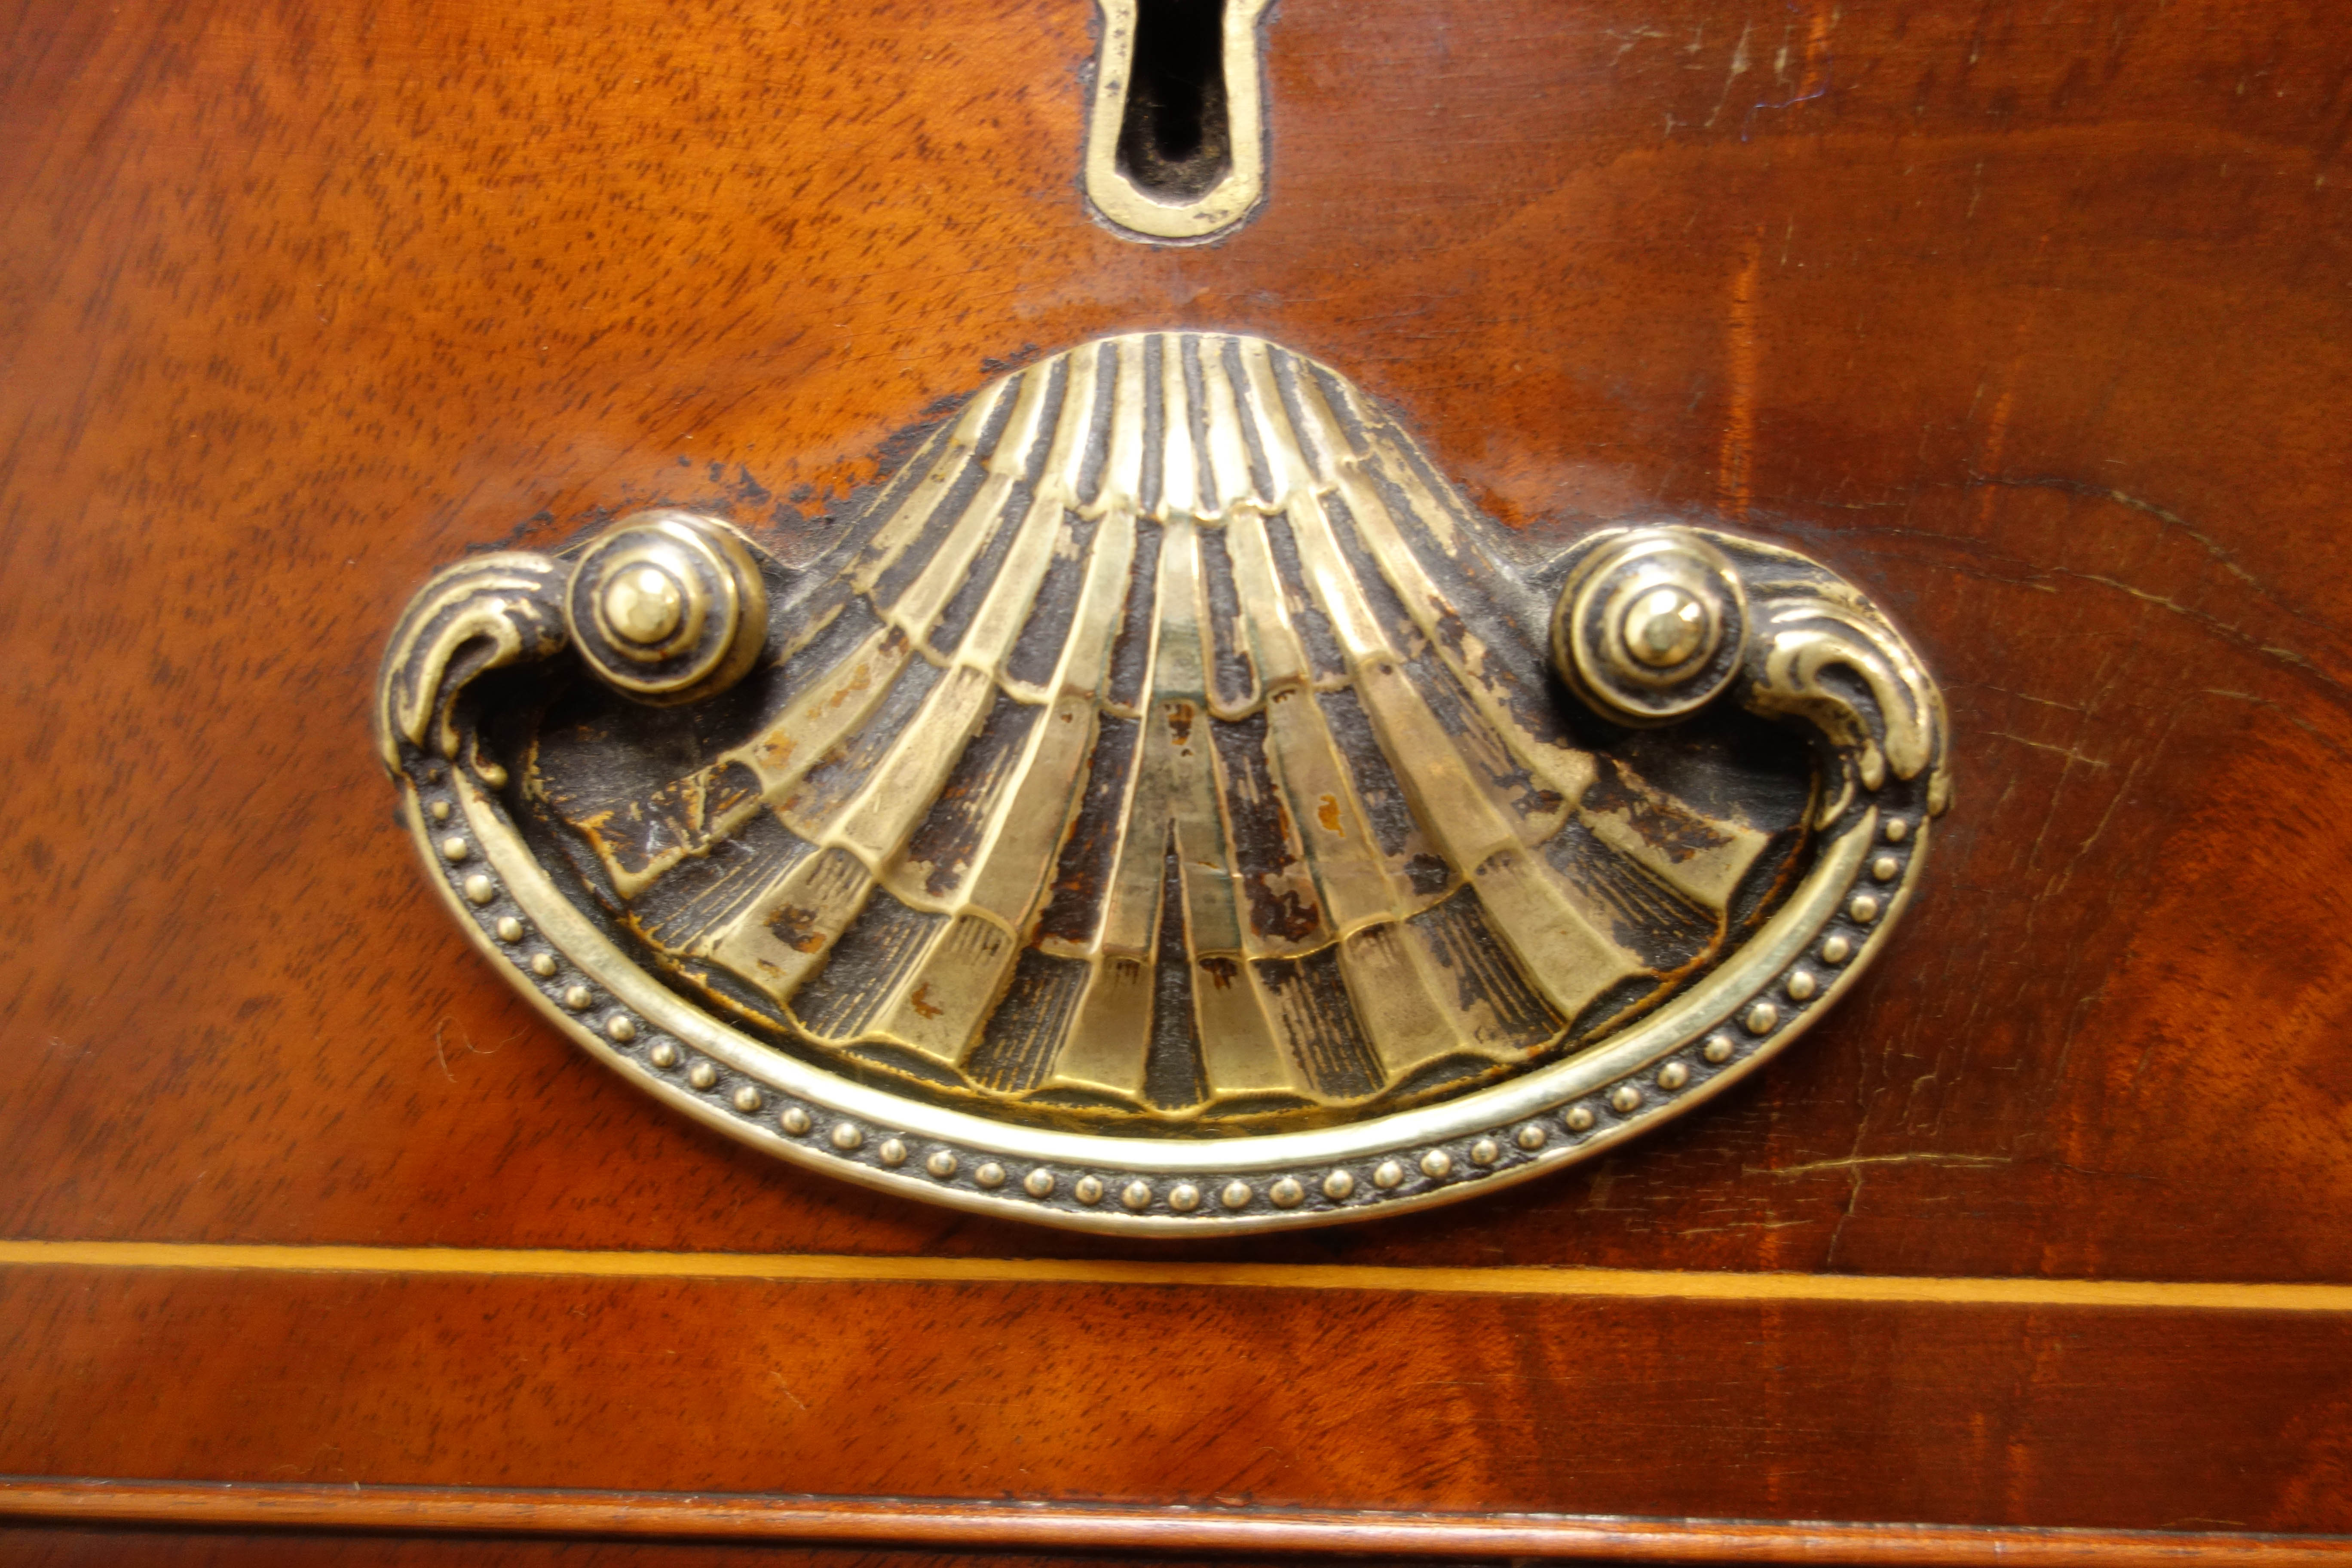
{"x": 837, "y": 1268}
{"x": 995, "y": 1525}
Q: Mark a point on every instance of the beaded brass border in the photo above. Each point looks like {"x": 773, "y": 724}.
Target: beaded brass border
{"x": 1691, "y": 1050}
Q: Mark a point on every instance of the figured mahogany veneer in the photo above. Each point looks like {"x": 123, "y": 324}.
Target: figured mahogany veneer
{"x": 2031, "y": 318}
{"x": 703, "y": 1525}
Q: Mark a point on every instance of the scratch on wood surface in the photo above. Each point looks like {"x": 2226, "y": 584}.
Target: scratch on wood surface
{"x": 1996, "y": 438}
{"x": 2091, "y": 490}
{"x": 1732, "y": 483}
{"x": 2069, "y": 753}
{"x": 1813, "y": 71}
{"x": 1851, "y": 1162}
{"x": 1738, "y": 68}
{"x": 1817, "y": 51}
{"x": 2020, "y": 696}
{"x": 2337, "y": 692}
{"x": 1746, "y": 1225}
{"x": 2284, "y": 711}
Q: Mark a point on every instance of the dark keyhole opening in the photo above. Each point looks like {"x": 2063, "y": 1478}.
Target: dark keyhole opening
{"x": 1176, "y": 140}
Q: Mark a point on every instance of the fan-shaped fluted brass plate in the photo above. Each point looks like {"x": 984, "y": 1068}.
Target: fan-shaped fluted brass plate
{"x": 1169, "y": 805}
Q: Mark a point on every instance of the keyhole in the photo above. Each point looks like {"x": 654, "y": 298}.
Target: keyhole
{"x": 1176, "y": 140}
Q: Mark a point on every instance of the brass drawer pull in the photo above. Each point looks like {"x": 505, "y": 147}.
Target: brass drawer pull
{"x": 1170, "y": 806}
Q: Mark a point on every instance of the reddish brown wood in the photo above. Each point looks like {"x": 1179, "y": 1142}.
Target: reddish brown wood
{"x": 893, "y": 1521}
{"x": 309, "y": 298}
{"x": 2029, "y": 318}
{"x": 1205, "y": 1397}
{"x": 70, "y": 1546}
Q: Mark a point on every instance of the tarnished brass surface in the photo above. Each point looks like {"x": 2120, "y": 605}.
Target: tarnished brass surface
{"x": 1169, "y": 804}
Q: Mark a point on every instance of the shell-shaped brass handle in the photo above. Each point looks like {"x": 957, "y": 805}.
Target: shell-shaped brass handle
{"x": 1168, "y": 806}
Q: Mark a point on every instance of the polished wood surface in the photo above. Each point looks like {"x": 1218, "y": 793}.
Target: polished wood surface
{"x": 105, "y": 1514}
{"x": 822, "y": 1268}
{"x": 1386, "y": 1398}
{"x": 2031, "y": 318}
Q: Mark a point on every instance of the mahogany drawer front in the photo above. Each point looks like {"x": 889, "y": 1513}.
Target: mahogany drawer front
{"x": 2033, "y": 320}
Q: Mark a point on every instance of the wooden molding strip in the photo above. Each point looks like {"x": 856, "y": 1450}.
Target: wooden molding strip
{"x": 999, "y": 1526}
{"x": 827, "y": 1268}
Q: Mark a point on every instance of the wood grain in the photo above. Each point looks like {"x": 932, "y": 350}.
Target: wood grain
{"x": 2028, "y": 318}
{"x": 1159, "y": 1396}
{"x": 2038, "y": 342}
{"x": 69, "y": 1546}
{"x": 258, "y": 1258}
{"x": 483, "y": 1511}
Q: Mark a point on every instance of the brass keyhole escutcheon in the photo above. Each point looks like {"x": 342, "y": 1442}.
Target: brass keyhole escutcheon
{"x": 1176, "y": 137}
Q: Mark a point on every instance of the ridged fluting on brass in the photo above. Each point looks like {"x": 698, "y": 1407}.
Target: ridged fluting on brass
{"x": 1162, "y": 745}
